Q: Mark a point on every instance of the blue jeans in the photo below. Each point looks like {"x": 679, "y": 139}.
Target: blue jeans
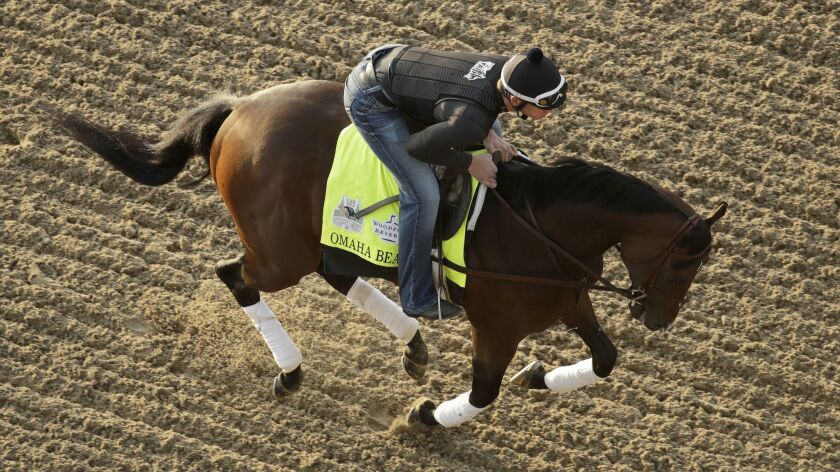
{"x": 384, "y": 130}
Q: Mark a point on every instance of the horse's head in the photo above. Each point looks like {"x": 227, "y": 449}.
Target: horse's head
{"x": 662, "y": 275}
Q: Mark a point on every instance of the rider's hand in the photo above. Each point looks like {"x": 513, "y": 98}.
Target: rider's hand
{"x": 494, "y": 143}
{"x": 483, "y": 169}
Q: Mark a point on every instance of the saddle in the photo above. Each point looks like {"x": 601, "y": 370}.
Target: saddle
{"x": 455, "y": 194}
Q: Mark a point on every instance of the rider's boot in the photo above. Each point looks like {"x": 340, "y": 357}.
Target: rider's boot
{"x": 447, "y": 310}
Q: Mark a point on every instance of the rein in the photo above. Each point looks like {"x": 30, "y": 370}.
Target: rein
{"x": 557, "y": 249}
{"x": 631, "y": 294}
{"x": 635, "y": 295}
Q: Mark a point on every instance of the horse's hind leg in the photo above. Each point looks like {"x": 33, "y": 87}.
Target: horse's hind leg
{"x": 286, "y": 353}
{"x": 367, "y": 297}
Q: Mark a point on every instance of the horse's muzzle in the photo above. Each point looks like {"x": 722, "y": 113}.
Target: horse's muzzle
{"x": 636, "y": 309}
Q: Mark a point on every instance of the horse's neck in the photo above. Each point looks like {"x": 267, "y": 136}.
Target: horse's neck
{"x": 582, "y": 229}
{"x": 588, "y": 231}
{"x": 651, "y": 229}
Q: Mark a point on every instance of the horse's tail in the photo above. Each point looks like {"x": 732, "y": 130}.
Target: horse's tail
{"x": 159, "y": 162}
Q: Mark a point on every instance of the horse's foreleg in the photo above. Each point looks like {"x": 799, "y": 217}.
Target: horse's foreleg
{"x": 375, "y": 303}
{"x": 286, "y": 354}
{"x": 586, "y": 372}
{"x": 604, "y": 354}
{"x": 491, "y": 356}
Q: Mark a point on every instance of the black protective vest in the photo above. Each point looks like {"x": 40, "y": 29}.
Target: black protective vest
{"x": 419, "y": 78}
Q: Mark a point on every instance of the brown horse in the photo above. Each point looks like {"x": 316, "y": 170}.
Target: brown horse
{"x": 537, "y": 250}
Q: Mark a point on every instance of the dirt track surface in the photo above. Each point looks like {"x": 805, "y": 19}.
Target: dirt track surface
{"x": 120, "y": 350}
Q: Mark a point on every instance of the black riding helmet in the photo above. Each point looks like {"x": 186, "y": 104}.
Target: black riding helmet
{"x": 534, "y": 79}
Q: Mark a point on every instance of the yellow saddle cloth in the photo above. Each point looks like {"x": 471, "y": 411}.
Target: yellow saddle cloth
{"x": 357, "y": 180}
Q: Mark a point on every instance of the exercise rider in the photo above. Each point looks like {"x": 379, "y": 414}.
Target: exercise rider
{"x": 457, "y": 97}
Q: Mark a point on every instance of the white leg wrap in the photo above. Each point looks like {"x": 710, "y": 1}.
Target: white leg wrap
{"x": 285, "y": 352}
{"x": 569, "y": 377}
{"x": 456, "y": 411}
{"x": 371, "y": 300}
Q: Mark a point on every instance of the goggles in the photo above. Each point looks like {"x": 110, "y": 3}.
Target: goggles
{"x": 554, "y": 98}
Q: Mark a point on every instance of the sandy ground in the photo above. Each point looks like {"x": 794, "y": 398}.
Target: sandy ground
{"x": 119, "y": 349}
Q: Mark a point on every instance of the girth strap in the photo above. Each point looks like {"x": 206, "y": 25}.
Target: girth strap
{"x": 376, "y": 206}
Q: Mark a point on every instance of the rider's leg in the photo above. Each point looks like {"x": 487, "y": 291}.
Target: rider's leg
{"x": 286, "y": 354}
{"x": 384, "y": 130}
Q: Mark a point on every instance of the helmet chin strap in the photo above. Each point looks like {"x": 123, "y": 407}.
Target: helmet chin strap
{"x": 519, "y": 108}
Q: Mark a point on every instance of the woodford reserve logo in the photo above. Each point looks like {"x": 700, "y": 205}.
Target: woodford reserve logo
{"x": 387, "y": 231}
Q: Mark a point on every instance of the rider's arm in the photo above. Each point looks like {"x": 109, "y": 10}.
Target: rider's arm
{"x": 460, "y": 125}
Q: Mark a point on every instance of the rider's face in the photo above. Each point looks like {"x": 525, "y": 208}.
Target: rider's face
{"x": 535, "y": 113}
{"x": 530, "y": 110}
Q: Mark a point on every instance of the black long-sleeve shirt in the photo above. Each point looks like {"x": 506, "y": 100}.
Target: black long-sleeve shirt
{"x": 459, "y": 125}
{"x": 453, "y": 93}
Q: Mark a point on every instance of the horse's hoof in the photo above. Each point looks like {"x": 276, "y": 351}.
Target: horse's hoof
{"x": 286, "y": 384}
{"x": 415, "y": 358}
{"x": 529, "y": 377}
{"x": 413, "y": 369}
{"x": 423, "y": 412}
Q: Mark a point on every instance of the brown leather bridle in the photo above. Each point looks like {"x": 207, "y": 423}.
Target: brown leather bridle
{"x": 634, "y": 294}
{"x": 663, "y": 256}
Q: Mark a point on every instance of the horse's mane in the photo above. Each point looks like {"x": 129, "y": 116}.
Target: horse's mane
{"x": 578, "y": 181}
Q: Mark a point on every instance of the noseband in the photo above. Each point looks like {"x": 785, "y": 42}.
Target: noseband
{"x": 667, "y": 253}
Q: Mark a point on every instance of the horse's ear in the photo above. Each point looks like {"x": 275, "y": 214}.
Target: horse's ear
{"x": 718, "y": 214}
